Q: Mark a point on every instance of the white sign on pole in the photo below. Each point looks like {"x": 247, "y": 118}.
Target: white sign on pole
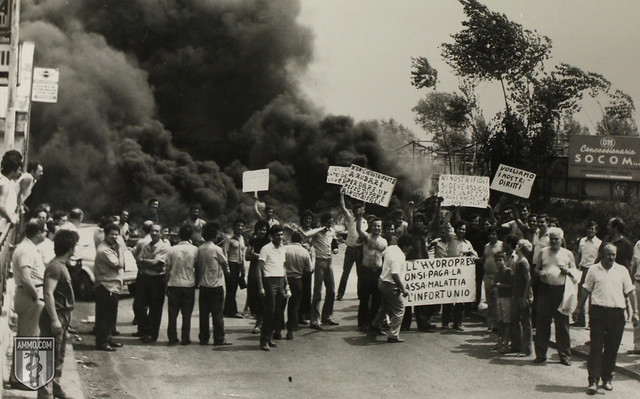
{"x": 461, "y": 190}
{"x": 513, "y": 181}
{"x": 440, "y": 280}
{"x": 336, "y": 174}
{"x": 255, "y": 180}
{"x": 368, "y": 186}
{"x": 45, "y": 85}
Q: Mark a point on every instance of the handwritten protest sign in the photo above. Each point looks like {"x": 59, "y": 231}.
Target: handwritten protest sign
{"x": 255, "y": 180}
{"x": 440, "y": 280}
{"x": 513, "y": 181}
{"x": 459, "y": 190}
{"x": 368, "y": 186}
{"x": 335, "y": 174}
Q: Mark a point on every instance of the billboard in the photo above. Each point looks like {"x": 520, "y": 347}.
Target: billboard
{"x": 604, "y": 157}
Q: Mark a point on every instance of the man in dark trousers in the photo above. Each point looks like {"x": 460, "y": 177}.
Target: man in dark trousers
{"x": 609, "y": 284}
{"x": 150, "y": 286}
{"x": 109, "y": 270}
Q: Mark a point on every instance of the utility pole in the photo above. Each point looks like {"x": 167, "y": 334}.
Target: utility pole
{"x": 13, "y": 6}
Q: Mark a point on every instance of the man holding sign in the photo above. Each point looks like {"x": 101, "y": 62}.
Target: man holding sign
{"x": 391, "y": 288}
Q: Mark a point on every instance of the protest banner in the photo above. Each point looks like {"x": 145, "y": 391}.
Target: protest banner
{"x": 335, "y": 174}
{"x": 440, "y": 280}
{"x": 460, "y": 190}
{"x": 255, "y": 180}
{"x": 513, "y": 181}
{"x": 368, "y": 186}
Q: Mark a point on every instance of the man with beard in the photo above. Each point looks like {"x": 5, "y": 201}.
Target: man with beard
{"x": 150, "y": 286}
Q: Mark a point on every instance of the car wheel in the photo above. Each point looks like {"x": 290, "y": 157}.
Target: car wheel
{"x": 132, "y": 289}
{"x": 85, "y": 288}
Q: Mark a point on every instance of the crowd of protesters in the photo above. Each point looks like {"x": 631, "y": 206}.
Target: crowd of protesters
{"x": 523, "y": 269}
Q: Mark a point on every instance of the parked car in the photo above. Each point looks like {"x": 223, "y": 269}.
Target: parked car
{"x": 82, "y": 273}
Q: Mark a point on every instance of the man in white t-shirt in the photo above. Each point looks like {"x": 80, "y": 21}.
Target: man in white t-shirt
{"x": 586, "y": 256}
{"x": 272, "y": 286}
{"x": 608, "y": 284}
{"x": 391, "y": 288}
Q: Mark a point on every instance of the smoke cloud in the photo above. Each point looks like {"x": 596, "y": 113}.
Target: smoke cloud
{"x": 175, "y": 99}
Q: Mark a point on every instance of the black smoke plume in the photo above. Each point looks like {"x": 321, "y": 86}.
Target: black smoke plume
{"x": 175, "y": 99}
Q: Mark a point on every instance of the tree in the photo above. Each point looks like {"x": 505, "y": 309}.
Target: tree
{"x": 492, "y": 48}
{"x": 445, "y": 116}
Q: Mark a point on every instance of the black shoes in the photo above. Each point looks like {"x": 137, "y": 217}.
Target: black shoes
{"x": 565, "y": 362}
{"x": 394, "y": 340}
{"x": 115, "y": 344}
{"x": 330, "y": 322}
{"x": 592, "y": 389}
{"x": 540, "y": 360}
{"x": 265, "y": 347}
{"x": 222, "y": 343}
{"x": 316, "y": 326}
{"x": 106, "y": 348}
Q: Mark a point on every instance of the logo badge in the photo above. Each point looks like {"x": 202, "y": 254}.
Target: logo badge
{"x": 608, "y": 142}
{"x": 34, "y": 360}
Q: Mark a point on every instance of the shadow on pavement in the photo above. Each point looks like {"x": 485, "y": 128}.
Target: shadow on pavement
{"x": 363, "y": 340}
{"x": 561, "y": 388}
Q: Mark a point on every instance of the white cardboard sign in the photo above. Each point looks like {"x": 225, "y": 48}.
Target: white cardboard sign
{"x": 336, "y": 174}
{"x": 462, "y": 190}
{"x": 255, "y": 180}
{"x": 440, "y": 280}
{"x": 514, "y": 181}
{"x": 368, "y": 186}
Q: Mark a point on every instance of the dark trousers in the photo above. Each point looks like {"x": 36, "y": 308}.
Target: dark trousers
{"x": 351, "y": 255}
{"x": 607, "y": 326}
{"x": 211, "y": 302}
{"x": 273, "y": 300}
{"x": 369, "y": 295}
{"x": 256, "y": 304}
{"x": 236, "y": 272}
{"x": 423, "y": 316}
{"x": 549, "y": 298}
{"x": 106, "y": 315}
{"x": 323, "y": 275}
{"x": 149, "y": 300}
{"x": 521, "y": 326}
{"x": 305, "y": 297}
{"x": 452, "y": 312}
{"x": 295, "y": 285}
{"x": 180, "y": 300}
{"x": 64, "y": 316}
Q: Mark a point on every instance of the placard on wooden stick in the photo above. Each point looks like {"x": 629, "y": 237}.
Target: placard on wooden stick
{"x": 255, "y": 180}
{"x": 368, "y": 186}
{"x": 462, "y": 190}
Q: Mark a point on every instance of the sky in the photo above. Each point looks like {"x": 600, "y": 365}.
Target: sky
{"x": 363, "y": 50}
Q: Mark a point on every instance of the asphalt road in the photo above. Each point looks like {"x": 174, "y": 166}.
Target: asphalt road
{"x": 339, "y": 362}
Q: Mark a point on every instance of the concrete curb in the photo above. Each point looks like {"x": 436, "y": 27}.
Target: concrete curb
{"x": 70, "y": 380}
